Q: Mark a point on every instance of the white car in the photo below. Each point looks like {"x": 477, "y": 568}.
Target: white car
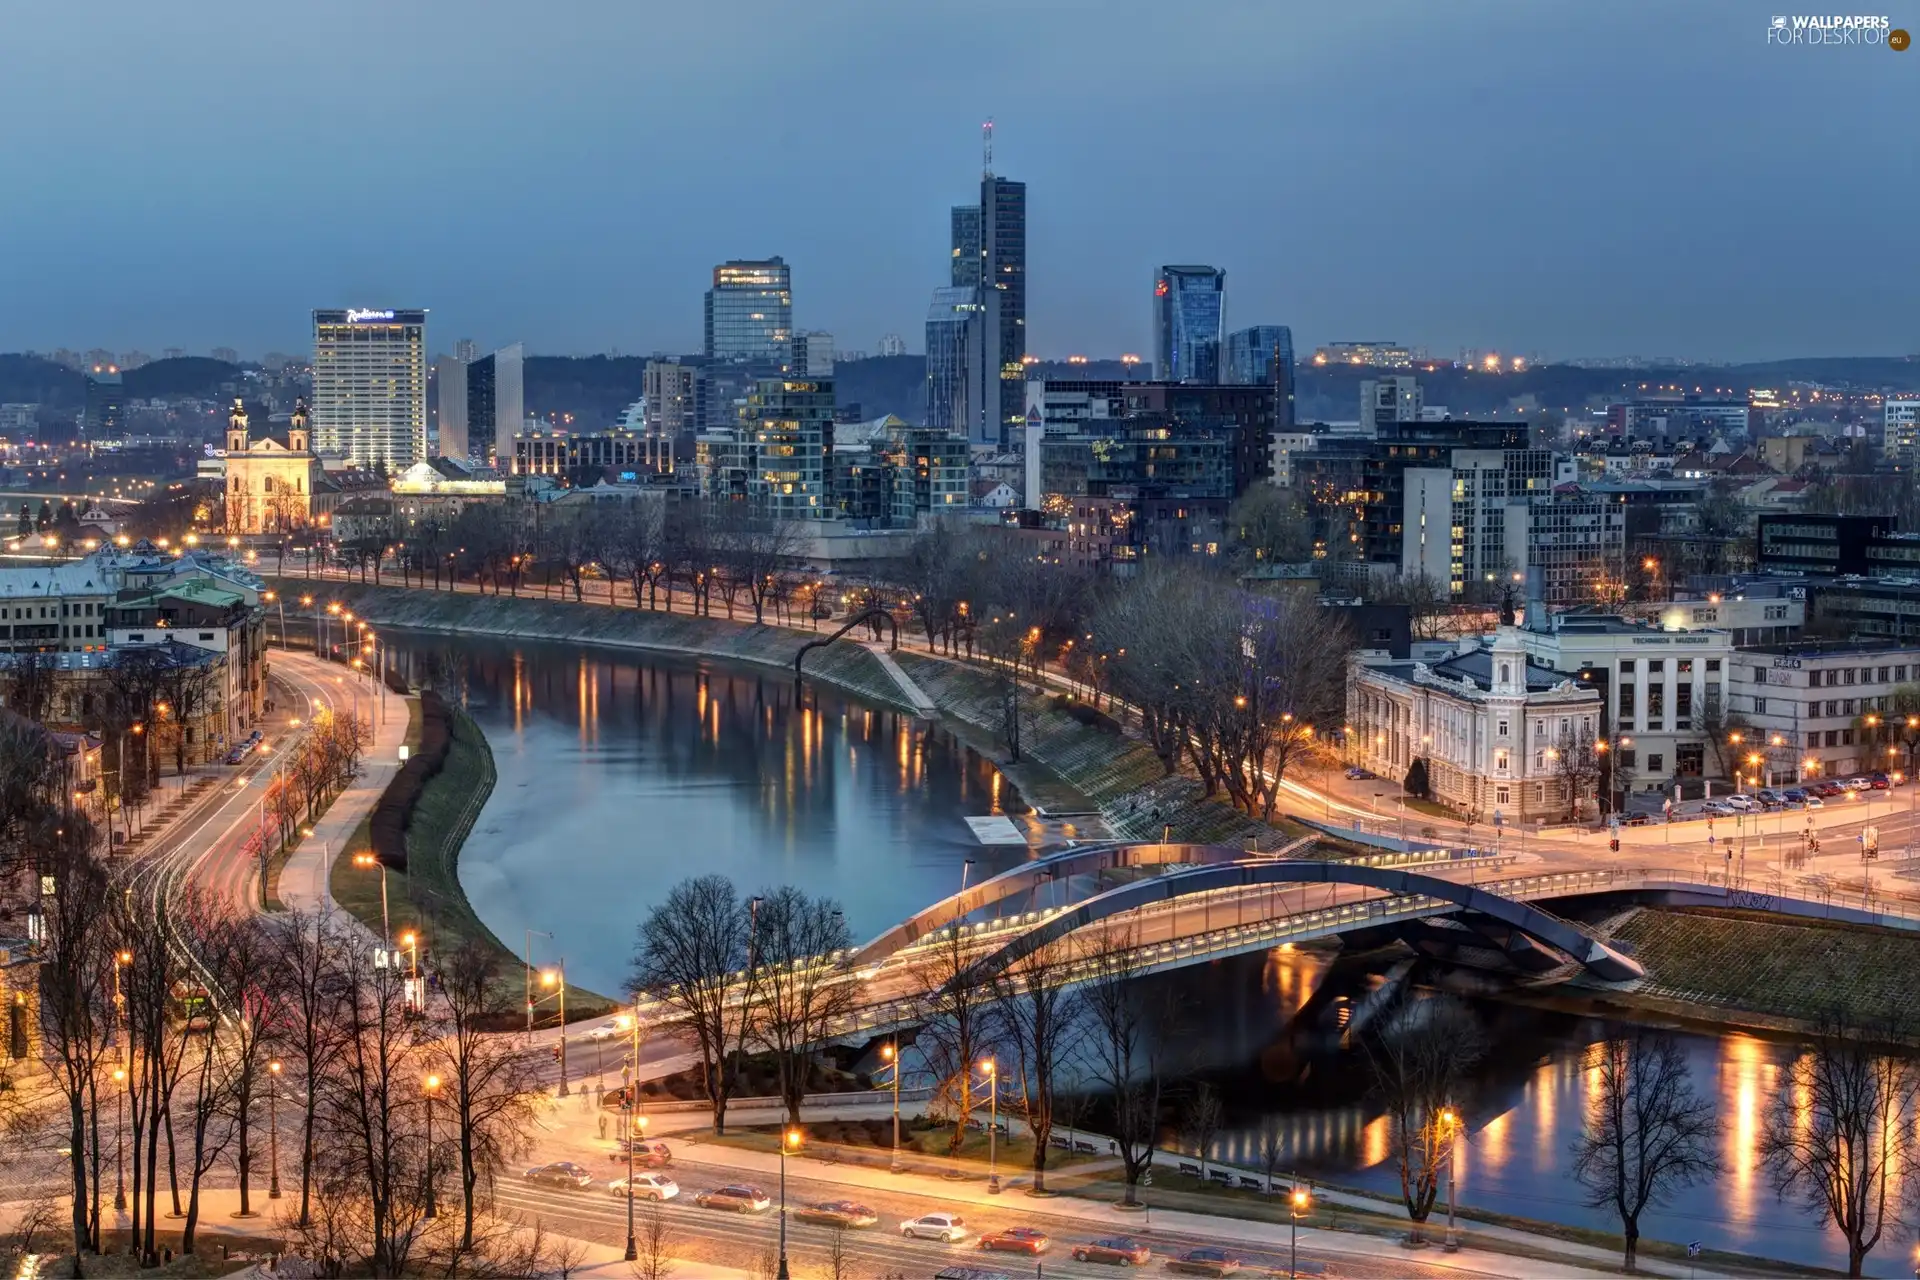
{"x": 950, "y": 1227}
{"x": 646, "y": 1186}
{"x": 1743, "y": 803}
{"x": 605, "y": 1031}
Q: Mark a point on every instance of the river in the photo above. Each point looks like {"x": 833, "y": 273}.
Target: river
{"x": 620, "y": 774}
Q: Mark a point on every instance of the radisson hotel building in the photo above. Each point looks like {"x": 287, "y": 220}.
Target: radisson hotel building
{"x": 370, "y": 387}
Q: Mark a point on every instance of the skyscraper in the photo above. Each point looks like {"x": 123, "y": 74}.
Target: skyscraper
{"x": 813, "y": 353}
{"x": 989, "y": 250}
{"x": 1189, "y": 314}
{"x": 750, "y": 312}
{"x": 780, "y": 455}
{"x": 482, "y": 403}
{"x": 955, "y": 358}
{"x": 965, "y": 226}
{"x": 673, "y": 392}
{"x": 103, "y": 418}
{"x": 370, "y": 386}
{"x": 1264, "y": 355}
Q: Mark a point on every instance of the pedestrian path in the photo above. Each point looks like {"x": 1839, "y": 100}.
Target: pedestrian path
{"x": 922, "y": 704}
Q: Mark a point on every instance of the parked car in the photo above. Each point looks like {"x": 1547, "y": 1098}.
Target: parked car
{"x": 1357, "y": 774}
{"x": 646, "y": 1153}
{"x": 837, "y": 1213}
{"x": 605, "y": 1031}
{"x": 739, "y": 1197}
{"x": 950, "y": 1227}
{"x": 1124, "y": 1251}
{"x": 1717, "y": 809}
{"x": 1769, "y": 798}
{"x": 1814, "y": 802}
{"x": 1794, "y": 795}
{"x": 1826, "y": 790}
{"x": 1860, "y": 782}
{"x": 1741, "y": 803}
{"x": 236, "y": 755}
{"x": 1634, "y": 819}
{"x": 646, "y": 1186}
{"x": 561, "y": 1173}
{"x": 1017, "y": 1240}
{"x": 1880, "y": 781}
{"x": 1204, "y": 1262}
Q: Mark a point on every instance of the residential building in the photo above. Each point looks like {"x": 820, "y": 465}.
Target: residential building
{"x": 1578, "y": 542}
{"x": 1818, "y": 705}
{"x": 1664, "y": 691}
{"x": 956, "y": 364}
{"x": 370, "y": 386}
{"x": 269, "y": 479}
{"x": 482, "y": 402}
{"x": 672, "y": 391}
{"x": 1383, "y": 400}
{"x": 1068, "y": 407}
{"x": 103, "y": 418}
{"x": 1264, "y": 354}
{"x": 56, "y": 608}
{"x": 750, "y": 312}
{"x": 813, "y": 353}
{"x": 1286, "y": 445}
{"x": 226, "y": 355}
{"x": 1189, "y": 318}
{"x": 1493, "y": 728}
{"x": 887, "y": 473}
{"x": 1902, "y": 431}
{"x": 1687, "y": 417}
{"x": 780, "y": 457}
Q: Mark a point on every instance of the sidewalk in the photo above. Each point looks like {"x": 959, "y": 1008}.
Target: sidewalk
{"x": 303, "y": 881}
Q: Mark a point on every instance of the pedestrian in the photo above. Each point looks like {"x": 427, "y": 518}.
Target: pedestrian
{"x": 603, "y": 1124}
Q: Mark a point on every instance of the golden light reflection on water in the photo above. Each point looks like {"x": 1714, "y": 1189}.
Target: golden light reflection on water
{"x": 1742, "y": 1062}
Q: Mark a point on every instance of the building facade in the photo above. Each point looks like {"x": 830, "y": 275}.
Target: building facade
{"x": 482, "y": 403}
{"x": 989, "y": 252}
{"x": 1500, "y": 736}
{"x": 270, "y": 480}
{"x": 585, "y": 456}
{"x": 1818, "y": 707}
{"x": 1189, "y": 318}
{"x": 1264, "y": 354}
{"x": 956, "y": 365}
{"x": 1386, "y": 400}
{"x": 104, "y": 417}
{"x": 1901, "y": 438}
{"x": 370, "y": 386}
{"x": 749, "y": 312}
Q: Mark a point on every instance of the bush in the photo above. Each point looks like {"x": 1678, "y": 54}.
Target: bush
{"x": 1416, "y": 783}
{"x": 394, "y": 811}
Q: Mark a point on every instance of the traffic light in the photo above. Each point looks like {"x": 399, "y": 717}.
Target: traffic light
{"x": 1614, "y": 844}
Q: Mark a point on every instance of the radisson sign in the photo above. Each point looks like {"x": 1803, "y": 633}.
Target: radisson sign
{"x": 355, "y": 316}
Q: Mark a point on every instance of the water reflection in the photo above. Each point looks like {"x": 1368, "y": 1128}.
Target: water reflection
{"x": 621, "y": 774}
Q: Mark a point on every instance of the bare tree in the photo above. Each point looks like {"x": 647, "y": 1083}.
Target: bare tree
{"x": 1836, "y": 1133}
{"x": 653, "y": 1243}
{"x": 238, "y": 966}
{"x": 954, "y": 1009}
{"x": 563, "y": 1256}
{"x": 799, "y": 984}
{"x": 839, "y": 1258}
{"x": 491, "y": 1084}
{"x": 76, "y": 1013}
{"x": 689, "y": 950}
{"x": 754, "y": 551}
{"x": 1648, "y": 1134}
{"x": 1040, "y": 1018}
{"x": 1273, "y": 1147}
{"x": 1120, "y": 1052}
{"x": 1576, "y": 766}
{"x": 1420, "y": 1058}
{"x": 1200, "y": 1121}
{"x": 303, "y": 965}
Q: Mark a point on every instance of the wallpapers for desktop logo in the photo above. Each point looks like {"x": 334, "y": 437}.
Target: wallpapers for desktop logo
{"x": 1820, "y": 28}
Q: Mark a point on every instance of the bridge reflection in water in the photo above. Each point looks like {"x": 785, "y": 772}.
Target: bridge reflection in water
{"x": 1524, "y": 1108}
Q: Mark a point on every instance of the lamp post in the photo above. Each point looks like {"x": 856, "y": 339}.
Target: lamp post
{"x": 558, "y": 980}
{"x": 891, "y": 1052}
{"x": 1299, "y": 1204}
{"x": 411, "y": 941}
{"x": 1451, "y": 1120}
{"x": 273, "y": 1129}
{"x": 120, "y": 1141}
{"x": 386, "y": 927}
{"x": 529, "y": 963}
{"x": 790, "y": 1138}
{"x": 993, "y": 1125}
{"x": 433, "y": 1087}
{"x": 632, "y": 1101}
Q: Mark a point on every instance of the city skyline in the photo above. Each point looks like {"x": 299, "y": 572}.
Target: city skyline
{"x": 1532, "y": 215}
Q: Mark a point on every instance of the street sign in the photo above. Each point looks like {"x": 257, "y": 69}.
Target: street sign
{"x": 1694, "y": 1248}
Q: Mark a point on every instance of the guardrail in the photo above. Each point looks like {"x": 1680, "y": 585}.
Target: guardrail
{"x": 762, "y": 1102}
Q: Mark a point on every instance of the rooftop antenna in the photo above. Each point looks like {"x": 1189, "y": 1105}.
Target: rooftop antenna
{"x": 986, "y": 148}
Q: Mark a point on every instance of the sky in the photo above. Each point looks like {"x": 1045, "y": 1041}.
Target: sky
{"x": 1603, "y": 178}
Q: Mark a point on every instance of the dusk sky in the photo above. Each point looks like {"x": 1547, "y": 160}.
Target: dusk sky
{"x": 1568, "y": 179}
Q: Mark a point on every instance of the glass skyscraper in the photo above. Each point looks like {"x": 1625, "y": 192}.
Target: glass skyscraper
{"x": 788, "y": 423}
{"x": 1189, "y": 314}
{"x": 370, "y": 386}
{"x": 990, "y": 250}
{"x": 954, "y": 360}
{"x": 750, "y": 312}
{"x": 1264, "y": 355}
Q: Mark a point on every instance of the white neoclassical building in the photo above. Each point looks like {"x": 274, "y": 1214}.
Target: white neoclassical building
{"x": 1489, "y": 725}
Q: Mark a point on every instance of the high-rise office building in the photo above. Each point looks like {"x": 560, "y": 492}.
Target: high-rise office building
{"x": 104, "y": 415}
{"x": 482, "y": 403}
{"x": 989, "y": 247}
{"x": 750, "y": 312}
{"x": 1264, "y": 354}
{"x": 813, "y": 353}
{"x": 955, "y": 357}
{"x": 370, "y": 386}
{"x": 466, "y": 351}
{"x": 673, "y": 394}
{"x": 1189, "y": 314}
{"x": 965, "y": 226}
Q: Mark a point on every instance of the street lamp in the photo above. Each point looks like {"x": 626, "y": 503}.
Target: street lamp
{"x": 790, "y": 1138}
{"x": 993, "y": 1125}
{"x": 273, "y": 1129}
{"x": 1299, "y": 1204}
{"x": 120, "y": 1141}
{"x": 1451, "y": 1119}
{"x": 558, "y": 980}
{"x": 411, "y": 941}
{"x": 368, "y": 860}
{"x": 633, "y": 1101}
{"x": 891, "y": 1052}
{"x": 433, "y": 1087}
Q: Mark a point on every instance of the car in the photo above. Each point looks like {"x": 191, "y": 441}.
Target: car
{"x": 837, "y": 1213}
{"x": 1204, "y": 1262}
{"x": 950, "y": 1227}
{"x": 647, "y": 1154}
{"x": 1814, "y": 802}
{"x": 1826, "y": 790}
{"x": 1016, "y": 1240}
{"x": 739, "y": 1197}
{"x": 561, "y": 1173}
{"x": 1357, "y": 774}
{"x": 1123, "y": 1251}
{"x": 1741, "y": 803}
{"x": 1769, "y": 798}
{"x": 646, "y": 1186}
{"x": 236, "y": 755}
{"x": 1717, "y": 809}
{"x": 1880, "y": 781}
{"x": 256, "y": 735}
{"x": 1860, "y": 782}
{"x": 605, "y": 1031}
{"x": 1634, "y": 820}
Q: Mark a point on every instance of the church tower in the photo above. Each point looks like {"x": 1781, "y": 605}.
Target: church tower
{"x": 298, "y": 430}
{"x": 237, "y": 428}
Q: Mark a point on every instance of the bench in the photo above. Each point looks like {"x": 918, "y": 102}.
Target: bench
{"x": 1220, "y": 1176}
{"x": 1086, "y": 1148}
{"x": 1057, "y": 1141}
{"x": 1251, "y": 1183}
{"x": 1189, "y": 1168}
